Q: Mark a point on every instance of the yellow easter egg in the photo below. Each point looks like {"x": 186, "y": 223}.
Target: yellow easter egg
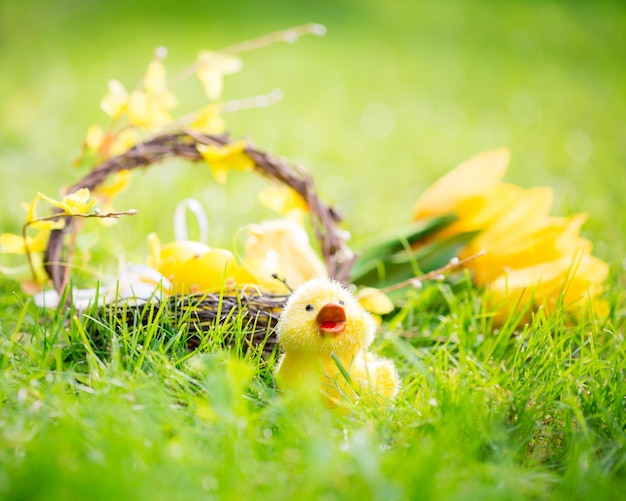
{"x": 210, "y": 271}
{"x": 167, "y": 258}
{"x": 179, "y": 252}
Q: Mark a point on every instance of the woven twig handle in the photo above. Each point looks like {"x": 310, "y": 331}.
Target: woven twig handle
{"x": 325, "y": 219}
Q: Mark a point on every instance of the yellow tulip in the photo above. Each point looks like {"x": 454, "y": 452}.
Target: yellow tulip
{"x": 551, "y": 239}
{"x": 575, "y": 281}
{"x": 473, "y": 178}
{"x": 531, "y": 259}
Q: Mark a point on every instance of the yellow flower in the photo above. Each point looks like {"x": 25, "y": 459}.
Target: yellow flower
{"x": 15, "y": 244}
{"x": 40, "y": 275}
{"x": 531, "y": 258}
{"x": 574, "y": 280}
{"x": 94, "y": 138}
{"x": 530, "y": 244}
{"x": 149, "y": 109}
{"x": 155, "y": 81}
{"x": 124, "y": 141}
{"x": 208, "y": 120}
{"x": 472, "y": 191}
{"x": 36, "y": 223}
{"x": 75, "y": 203}
{"x": 105, "y": 194}
{"x": 149, "y": 112}
{"x": 223, "y": 158}
{"x": 212, "y": 66}
{"x": 284, "y": 200}
{"x": 376, "y": 302}
{"x": 12, "y": 244}
{"x": 96, "y": 146}
{"x": 115, "y": 102}
{"x": 139, "y": 110}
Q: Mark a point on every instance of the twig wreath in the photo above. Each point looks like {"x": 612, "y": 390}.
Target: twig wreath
{"x": 260, "y": 309}
{"x": 324, "y": 218}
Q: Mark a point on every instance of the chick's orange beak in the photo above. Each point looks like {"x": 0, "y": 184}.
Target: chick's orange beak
{"x": 331, "y": 319}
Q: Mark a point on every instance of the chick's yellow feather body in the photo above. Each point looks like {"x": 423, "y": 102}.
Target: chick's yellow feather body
{"x": 325, "y": 333}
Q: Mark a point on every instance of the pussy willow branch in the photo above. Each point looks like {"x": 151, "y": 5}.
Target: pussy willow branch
{"x": 324, "y": 218}
{"x": 433, "y": 275}
{"x": 288, "y": 35}
{"x": 232, "y": 106}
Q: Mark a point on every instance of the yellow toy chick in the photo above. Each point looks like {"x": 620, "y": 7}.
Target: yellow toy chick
{"x": 323, "y": 318}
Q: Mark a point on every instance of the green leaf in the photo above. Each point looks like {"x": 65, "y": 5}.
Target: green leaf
{"x": 396, "y": 241}
{"x": 403, "y": 265}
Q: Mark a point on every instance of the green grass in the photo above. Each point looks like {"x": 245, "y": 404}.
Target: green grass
{"x": 482, "y": 414}
{"x": 96, "y": 409}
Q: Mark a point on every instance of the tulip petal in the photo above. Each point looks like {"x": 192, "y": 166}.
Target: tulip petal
{"x": 472, "y": 178}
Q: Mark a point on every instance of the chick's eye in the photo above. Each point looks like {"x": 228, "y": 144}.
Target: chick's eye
{"x": 309, "y": 307}
{"x": 341, "y": 302}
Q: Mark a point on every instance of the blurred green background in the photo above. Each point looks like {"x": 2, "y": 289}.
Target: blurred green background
{"x": 394, "y": 95}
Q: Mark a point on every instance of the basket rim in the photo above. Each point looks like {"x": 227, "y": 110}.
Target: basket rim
{"x": 325, "y": 218}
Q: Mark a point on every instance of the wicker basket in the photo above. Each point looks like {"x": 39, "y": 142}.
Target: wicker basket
{"x": 260, "y": 311}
